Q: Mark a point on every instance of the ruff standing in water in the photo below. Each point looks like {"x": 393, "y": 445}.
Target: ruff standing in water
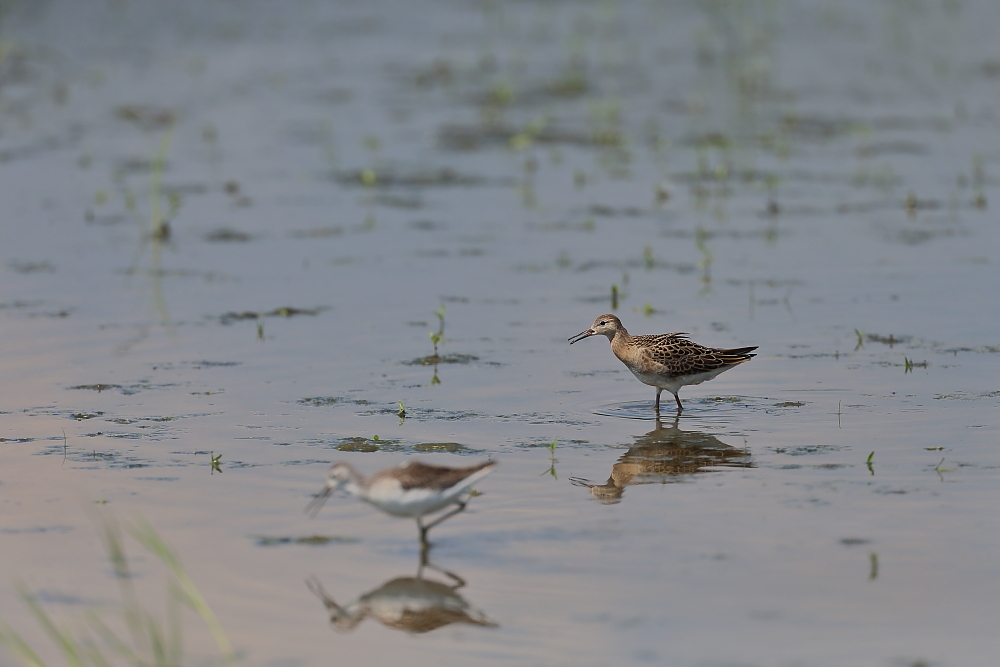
{"x": 412, "y": 489}
{"x": 666, "y": 361}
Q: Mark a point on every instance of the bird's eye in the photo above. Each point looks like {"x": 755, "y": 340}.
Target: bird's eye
{"x": 602, "y": 323}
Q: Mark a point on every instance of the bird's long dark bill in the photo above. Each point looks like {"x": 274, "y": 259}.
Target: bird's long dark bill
{"x": 581, "y": 336}
{"x": 313, "y": 507}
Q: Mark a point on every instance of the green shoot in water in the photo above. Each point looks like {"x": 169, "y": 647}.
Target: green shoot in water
{"x": 705, "y": 263}
{"x": 438, "y": 336}
{"x": 158, "y": 225}
{"x": 552, "y": 459}
{"x": 368, "y": 175}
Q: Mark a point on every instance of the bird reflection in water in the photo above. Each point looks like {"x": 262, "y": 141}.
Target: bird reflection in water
{"x": 413, "y": 604}
{"x": 662, "y": 456}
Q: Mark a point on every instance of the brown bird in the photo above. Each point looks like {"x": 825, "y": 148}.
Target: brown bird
{"x": 665, "y": 361}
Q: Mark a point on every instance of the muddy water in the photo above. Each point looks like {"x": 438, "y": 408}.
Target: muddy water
{"x": 342, "y": 180}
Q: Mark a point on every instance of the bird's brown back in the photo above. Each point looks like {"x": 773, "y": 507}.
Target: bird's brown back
{"x": 675, "y": 354}
{"x": 416, "y": 474}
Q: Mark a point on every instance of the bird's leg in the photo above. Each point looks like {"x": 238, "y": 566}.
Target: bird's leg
{"x": 461, "y": 506}
{"x": 314, "y": 585}
{"x": 656, "y": 407}
{"x": 680, "y": 408}
{"x": 456, "y": 581}
{"x": 424, "y": 545}
{"x": 425, "y": 550}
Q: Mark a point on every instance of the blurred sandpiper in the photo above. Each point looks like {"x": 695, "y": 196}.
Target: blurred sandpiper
{"x": 413, "y": 489}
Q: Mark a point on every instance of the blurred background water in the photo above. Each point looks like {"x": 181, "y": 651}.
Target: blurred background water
{"x": 246, "y": 232}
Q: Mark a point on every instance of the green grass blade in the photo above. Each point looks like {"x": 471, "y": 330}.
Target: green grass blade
{"x": 18, "y": 647}
{"x": 59, "y": 636}
{"x": 114, "y": 544}
{"x": 147, "y": 536}
{"x": 92, "y": 651}
{"x": 112, "y": 640}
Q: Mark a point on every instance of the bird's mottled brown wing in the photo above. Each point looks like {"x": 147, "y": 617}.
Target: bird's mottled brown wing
{"x": 435, "y": 477}
{"x": 678, "y": 355}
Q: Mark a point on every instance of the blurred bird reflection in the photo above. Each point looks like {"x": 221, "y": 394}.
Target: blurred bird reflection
{"x": 662, "y": 456}
{"x": 413, "y": 604}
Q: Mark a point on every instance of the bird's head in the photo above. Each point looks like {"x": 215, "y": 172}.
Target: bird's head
{"x": 605, "y": 325}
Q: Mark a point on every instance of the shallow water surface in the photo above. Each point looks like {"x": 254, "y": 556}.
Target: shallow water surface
{"x": 244, "y": 236}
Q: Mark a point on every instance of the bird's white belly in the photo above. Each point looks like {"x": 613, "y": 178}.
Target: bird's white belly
{"x": 412, "y": 502}
{"x": 673, "y": 384}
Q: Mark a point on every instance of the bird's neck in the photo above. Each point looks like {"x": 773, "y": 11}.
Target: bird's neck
{"x": 355, "y": 487}
{"x": 620, "y": 337}
{"x": 355, "y": 483}
{"x": 620, "y": 343}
